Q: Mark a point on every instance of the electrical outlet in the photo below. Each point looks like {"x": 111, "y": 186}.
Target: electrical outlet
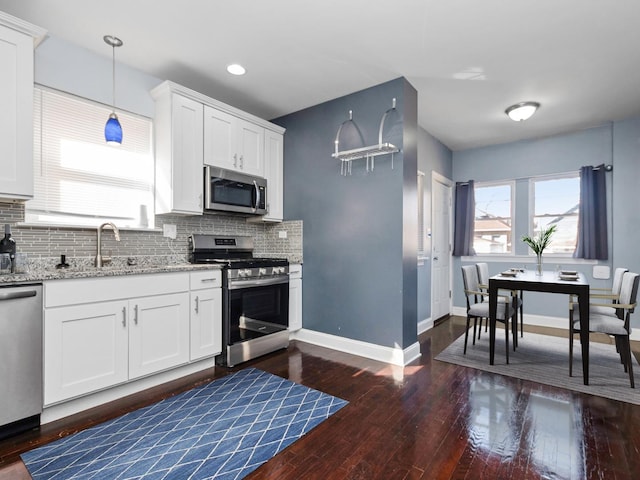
{"x": 169, "y": 231}
{"x": 282, "y": 234}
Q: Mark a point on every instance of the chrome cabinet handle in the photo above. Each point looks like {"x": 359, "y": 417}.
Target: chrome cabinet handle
{"x": 124, "y": 316}
{"x": 241, "y": 162}
{"x": 235, "y": 160}
{"x": 197, "y": 304}
{"x": 135, "y": 314}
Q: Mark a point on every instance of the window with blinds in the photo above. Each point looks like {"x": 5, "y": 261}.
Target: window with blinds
{"x": 79, "y": 180}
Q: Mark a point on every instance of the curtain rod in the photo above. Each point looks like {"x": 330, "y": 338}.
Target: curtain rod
{"x": 607, "y": 168}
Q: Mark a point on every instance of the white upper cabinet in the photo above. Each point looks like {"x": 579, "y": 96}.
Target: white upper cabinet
{"x": 273, "y": 172}
{"x": 179, "y": 153}
{"x": 193, "y": 130}
{"x": 233, "y": 143}
{"x": 16, "y": 97}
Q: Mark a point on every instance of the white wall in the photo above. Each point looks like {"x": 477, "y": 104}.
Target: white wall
{"x": 74, "y": 69}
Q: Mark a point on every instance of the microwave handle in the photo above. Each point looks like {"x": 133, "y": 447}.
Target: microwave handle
{"x": 257, "y": 196}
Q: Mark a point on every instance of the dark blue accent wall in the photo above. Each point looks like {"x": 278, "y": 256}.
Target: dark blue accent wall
{"x": 360, "y": 277}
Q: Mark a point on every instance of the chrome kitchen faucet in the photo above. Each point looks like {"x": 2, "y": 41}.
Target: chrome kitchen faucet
{"x": 100, "y": 260}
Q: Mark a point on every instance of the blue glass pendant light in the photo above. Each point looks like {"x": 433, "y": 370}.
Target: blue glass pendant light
{"x": 113, "y": 129}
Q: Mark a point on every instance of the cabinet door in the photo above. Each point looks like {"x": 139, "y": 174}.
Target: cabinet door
{"x": 187, "y": 158}
{"x": 158, "y": 333}
{"x": 273, "y": 172}
{"x": 85, "y": 349}
{"x": 220, "y": 140}
{"x": 295, "y": 304}
{"x": 16, "y": 120}
{"x": 206, "y": 323}
{"x": 250, "y": 148}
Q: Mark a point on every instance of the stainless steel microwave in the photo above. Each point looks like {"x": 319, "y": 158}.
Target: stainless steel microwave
{"x": 229, "y": 191}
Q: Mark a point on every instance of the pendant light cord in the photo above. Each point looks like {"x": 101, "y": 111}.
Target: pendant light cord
{"x": 114, "y": 42}
{"x": 113, "y": 72}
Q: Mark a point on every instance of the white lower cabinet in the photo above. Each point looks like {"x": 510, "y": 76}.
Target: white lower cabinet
{"x": 295, "y": 297}
{"x": 158, "y": 333}
{"x": 86, "y": 349}
{"x": 102, "y": 332}
{"x": 206, "y": 314}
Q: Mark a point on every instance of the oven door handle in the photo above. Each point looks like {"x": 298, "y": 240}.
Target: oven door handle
{"x": 258, "y": 282}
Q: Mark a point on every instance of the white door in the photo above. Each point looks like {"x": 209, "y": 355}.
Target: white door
{"x": 250, "y": 148}
{"x": 158, "y": 333}
{"x": 441, "y": 229}
{"x": 273, "y": 172}
{"x": 187, "y": 155}
{"x": 206, "y": 323}
{"x": 220, "y": 142}
{"x": 16, "y": 123}
{"x": 85, "y": 349}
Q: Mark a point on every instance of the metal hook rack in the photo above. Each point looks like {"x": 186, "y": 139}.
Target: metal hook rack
{"x": 370, "y": 152}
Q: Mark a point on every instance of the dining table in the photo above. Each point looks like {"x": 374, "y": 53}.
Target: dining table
{"x": 569, "y": 283}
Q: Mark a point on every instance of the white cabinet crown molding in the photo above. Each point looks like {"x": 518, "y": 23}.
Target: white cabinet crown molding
{"x": 38, "y": 33}
{"x": 205, "y": 100}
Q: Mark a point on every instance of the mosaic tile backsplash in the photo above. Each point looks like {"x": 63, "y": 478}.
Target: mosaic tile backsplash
{"x": 44, "y": 245}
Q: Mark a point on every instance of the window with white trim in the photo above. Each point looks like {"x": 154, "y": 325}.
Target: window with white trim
{"x": 556, "y": 201}
{"x": 493, "y": 225}
{"x": 79, "y": 180}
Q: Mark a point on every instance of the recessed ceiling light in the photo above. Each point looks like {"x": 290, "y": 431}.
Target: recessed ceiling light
{"x": 236, "y": 69}
{"x": 522, "y": 111}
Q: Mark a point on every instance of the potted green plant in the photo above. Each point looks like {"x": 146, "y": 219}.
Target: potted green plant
{"x": 539, "y": 243}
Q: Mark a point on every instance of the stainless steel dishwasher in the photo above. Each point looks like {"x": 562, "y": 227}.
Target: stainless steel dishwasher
{"x": 20, "y": 358}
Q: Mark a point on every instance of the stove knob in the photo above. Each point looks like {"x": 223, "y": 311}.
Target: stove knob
{"x": 262, "y": 271}
{"x": 247, "y": 272}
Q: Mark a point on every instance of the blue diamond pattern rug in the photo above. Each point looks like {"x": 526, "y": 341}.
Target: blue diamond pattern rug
{"x": 222, "y": 430}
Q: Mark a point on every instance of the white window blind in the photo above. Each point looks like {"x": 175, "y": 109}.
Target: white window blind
{"x": 78, "y": 178}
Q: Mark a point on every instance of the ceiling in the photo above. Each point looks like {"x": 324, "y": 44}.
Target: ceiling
{"x": 467, "y": 59}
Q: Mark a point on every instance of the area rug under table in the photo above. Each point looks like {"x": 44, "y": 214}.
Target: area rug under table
{"x": 222, "y": 430}
{"x": 545, "y": 359}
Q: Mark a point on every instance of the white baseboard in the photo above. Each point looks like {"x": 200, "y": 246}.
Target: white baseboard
{"x": 544, "y": 321}
{"x": 424, "y": 325}
{"x": 76, "y": 405}
{"x": 394, "y": 356}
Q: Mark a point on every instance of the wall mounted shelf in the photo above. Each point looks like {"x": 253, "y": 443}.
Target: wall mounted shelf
{"x": 369, "y": 153}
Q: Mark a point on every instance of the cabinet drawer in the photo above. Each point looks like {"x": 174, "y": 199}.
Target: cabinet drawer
{"x": 100, "y": 289}
{"x": 205, "y": 279}
{"x": 295, "y": 270}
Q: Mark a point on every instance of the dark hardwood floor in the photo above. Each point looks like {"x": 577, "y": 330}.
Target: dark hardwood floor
{"x": 429, "y": 420}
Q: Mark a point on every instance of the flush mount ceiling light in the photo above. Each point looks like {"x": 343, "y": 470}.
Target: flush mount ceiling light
{"x": 522, "y": 111}
{"x": 236, "y": 69}
{"x": 113, "y": 129}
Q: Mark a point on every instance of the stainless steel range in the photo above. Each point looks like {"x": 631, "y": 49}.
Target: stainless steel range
{"x": 255, "y": 296}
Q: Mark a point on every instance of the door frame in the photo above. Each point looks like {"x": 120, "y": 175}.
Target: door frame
{"x": 447, "y": 182}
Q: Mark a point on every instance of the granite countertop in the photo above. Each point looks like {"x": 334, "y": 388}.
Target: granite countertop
{"x": 83, "y": 271}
